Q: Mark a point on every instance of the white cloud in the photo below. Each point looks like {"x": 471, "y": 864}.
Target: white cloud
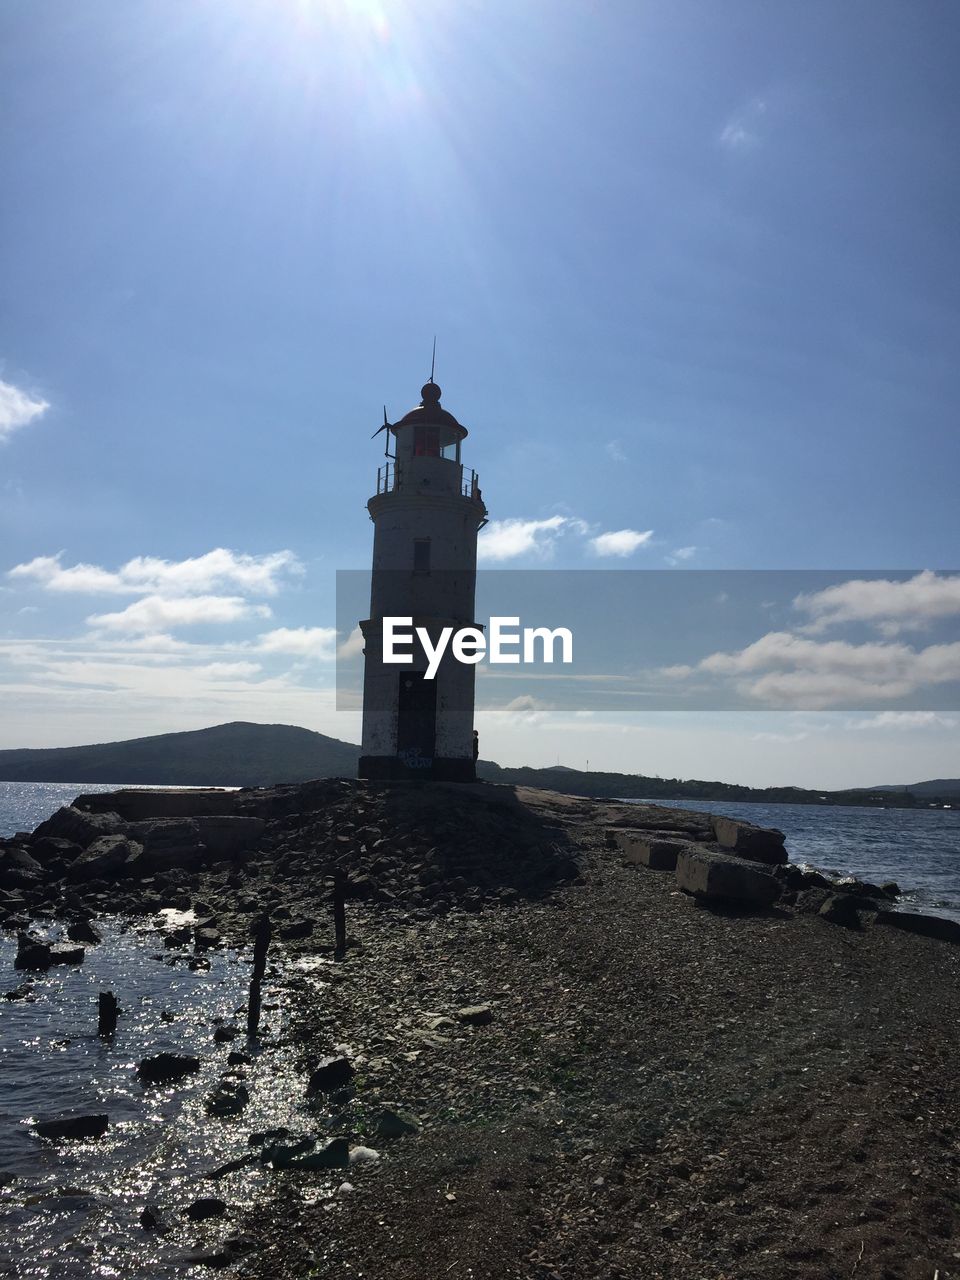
{"x": 507, "y": 539}
{"x": 622, "y": 542}
{"x": 906, "y": 720}
{"x": 681, "y": 554}
{"x": 306, "y": 642}
{"x": 352, "y": 647}
{"x": 782, "y": 669}
{"x": 891, "y": 606}
{"x": 17, "y": 409}
{"x": 156, "y": 613}
{"x": 744, "y": 130}
{"x": 615, "y": 450}
{"x": 149, "y": 575}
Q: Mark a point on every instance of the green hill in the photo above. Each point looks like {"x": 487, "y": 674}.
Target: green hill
{"x": 228, "y": 755}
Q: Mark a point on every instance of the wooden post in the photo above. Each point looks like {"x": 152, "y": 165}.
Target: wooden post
{"x": 107, "y": 1012}
{"x": 339, "y": 915}
{"x": 261, "y": 941}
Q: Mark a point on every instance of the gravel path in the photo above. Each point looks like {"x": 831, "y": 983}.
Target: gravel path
{"x": 659, "y": 1091}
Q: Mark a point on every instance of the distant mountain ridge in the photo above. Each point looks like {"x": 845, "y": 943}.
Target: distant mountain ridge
{"x": 239, "y": 754}
{"x": 244, "y": 754}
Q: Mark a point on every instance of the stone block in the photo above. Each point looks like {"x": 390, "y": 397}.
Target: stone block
{"x": 642, "y": 849}
{"x": 758, "y": 844}
{"x": 721, "y": 876}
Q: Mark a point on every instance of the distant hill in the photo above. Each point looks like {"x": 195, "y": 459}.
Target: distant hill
{"x": 936, "y": 788}
{"x": 228, "y": 755}
{"x": 241, "y": 754}
{"x": 635, "y": 786}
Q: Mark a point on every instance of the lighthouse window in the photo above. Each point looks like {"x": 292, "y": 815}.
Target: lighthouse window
{"x": 421, "y": 555}
{"x": 427, "y": 443}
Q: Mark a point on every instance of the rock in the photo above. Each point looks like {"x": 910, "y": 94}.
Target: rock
{"x": 54, "y": 849}
{"x": 153, "y": 1219}
{"x": 926, "y": 926}
{"x": 476, "y": 1015}
{"x": 298, "y": 929}
{"x": 396, "y": 1124}
{"x": 237, "y": 1059}
{"x": 20, "y": 860}
{"x": 17, "y": 878}
{"x": 205, "y": 938}
{"x": 641, "y": 849}
{"x": 167, "y": 1068}
{"x": 280, "y": 1154}
{"x": 228, "y": 1099}
{"x": 232, "y": 1166}
{"x": 758, "y": 844}
{"x": 135, "y": 806}
{"x": 169, "y": 843}
{"x": 83, "y": 931}
{"x": 363, "y": 1155}
{"x": 809, "y": 901}
{"x": 333, "y": 1155}
{"x": 225, "y": 836}
{"x": 206, "y": 1207}
{"x": 23, "y": 992}
{"x": 841, "y": 908}
{"x": 71, "y": 1127}
{"x": 32, "y": 953}
{"x": 68, "y": 823}
{"x": 720, "y": 876}
{"x": 891, "y": 889}
{"x": 330, "y": 1074}
{"x": 105, "y": 858}
{"x": 228, "y": 1031}
{"x": 862, "y": 888}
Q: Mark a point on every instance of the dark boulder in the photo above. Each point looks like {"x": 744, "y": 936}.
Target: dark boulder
{"x": 330, "y": 1074}
{"x": 83, "y": 931}
{"x": 169, "y": 843}
{"x": 925, "y": 926}
{"x": 167, "y": 1068}
{"x": 758, "y": 844}
{"x": 71, "y": 824}
{"x": 54, "y": 849}
{"x": 206, "y": 1207}
{"x": 841, "y": 908}
{"x": 228, "y": 1099}
{"x": 71, "y": 1127}
{"x": 106, "y": 857}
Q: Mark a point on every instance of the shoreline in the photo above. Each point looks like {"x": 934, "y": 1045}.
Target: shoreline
{"x": 660, "y": 1089}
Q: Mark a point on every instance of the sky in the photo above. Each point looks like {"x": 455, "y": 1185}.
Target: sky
{"x": 692, "y": 268}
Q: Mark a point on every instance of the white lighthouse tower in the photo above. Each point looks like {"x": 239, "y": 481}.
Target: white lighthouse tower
{"x": 426, "y": 513}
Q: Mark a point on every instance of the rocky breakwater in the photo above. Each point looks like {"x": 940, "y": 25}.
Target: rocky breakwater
{"x": 282, "y": 850}
{"x": 565, "y": 1067}
{"x": 732, "y": 865}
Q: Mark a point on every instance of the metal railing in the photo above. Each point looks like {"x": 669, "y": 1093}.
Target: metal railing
{"x": 389, "y": 478}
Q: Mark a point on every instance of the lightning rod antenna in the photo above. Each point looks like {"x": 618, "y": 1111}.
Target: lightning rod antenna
{"x": 433, "y": 358}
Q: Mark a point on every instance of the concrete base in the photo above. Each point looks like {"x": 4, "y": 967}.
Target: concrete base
{"x": 643, "y": 850}
{"x": 389, "y": 768}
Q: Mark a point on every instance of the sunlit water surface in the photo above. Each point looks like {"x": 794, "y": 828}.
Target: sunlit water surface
{"x": 71, "y": 1209}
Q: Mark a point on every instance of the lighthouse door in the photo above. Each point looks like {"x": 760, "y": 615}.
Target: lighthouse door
{"x": 416, "y": 720}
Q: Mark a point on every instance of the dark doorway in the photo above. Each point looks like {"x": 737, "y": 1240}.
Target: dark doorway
{"x": 416, "y": 720}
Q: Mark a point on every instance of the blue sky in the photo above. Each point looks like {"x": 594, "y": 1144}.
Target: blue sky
{"x": 692, "y": 268}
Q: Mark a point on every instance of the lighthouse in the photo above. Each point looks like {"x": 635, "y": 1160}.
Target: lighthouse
{"x": 426, "y": 513}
